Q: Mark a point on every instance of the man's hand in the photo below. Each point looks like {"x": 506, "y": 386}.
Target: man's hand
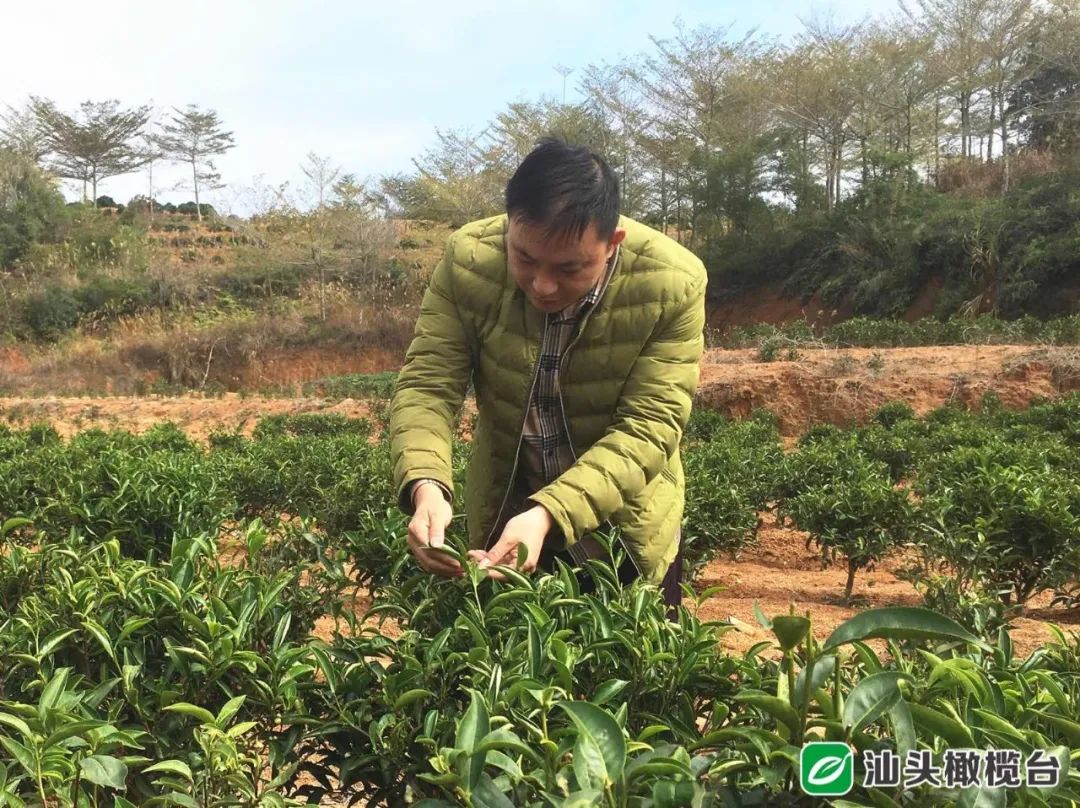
{"x": 427, "y": 528}
{"x": 530, "y": 529}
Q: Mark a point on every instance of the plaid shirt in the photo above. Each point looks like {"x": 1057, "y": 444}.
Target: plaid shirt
{"x": 546, "y": 451}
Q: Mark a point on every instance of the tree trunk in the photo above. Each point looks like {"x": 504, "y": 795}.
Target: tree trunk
{"x": 150, "y": 168}
{"x": 195, "y": 181}
{"x": 852, "y": 567}
{"x": 965, "y": 124}
{"x": 829, "y": 178}
{"x": 937, "y": 140}
{"x": 678, "y": 210}
{"x": 907, "y": 131}
{"x": 1004, "y": 145}
{"x": 990, "y": 131}
{"x": 663, "y": 201}
{"x": 322, "y": 292}
{"x": 804, "y": 166}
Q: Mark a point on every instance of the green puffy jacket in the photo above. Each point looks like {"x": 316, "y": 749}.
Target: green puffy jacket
{"x": 627, "y": 383}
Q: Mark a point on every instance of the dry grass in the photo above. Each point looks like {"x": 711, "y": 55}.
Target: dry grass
{"x": 278, "y": 346}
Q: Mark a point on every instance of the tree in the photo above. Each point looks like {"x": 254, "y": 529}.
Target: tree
{"x": 151, "y": 152}
{"x": 688, "y": 85}
{"x": 1006, "y": 28}
{"x": 459, "y": 180}
{"x": 20, "y": 132}
{"x": 195, "y": 136}
{"x": 31, "y": 208}
{"x": 349, "y": 193}
{"x": 518, "y": 128}
{"x": 321, "y": 176}
{"x": 816, "y": 91}
{"x": 95, "y": 143}
{"x": 1046, "y": 103}
{"x": 958, "y": 29}
{"x": 615, "y": 100}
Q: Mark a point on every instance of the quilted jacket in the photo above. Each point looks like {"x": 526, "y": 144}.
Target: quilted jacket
{"x": 627, "y": 382}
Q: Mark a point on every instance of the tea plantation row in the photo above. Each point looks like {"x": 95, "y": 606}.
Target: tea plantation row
{"x": 156, "y": 616}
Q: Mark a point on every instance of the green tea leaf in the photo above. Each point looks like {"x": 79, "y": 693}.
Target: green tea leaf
{"x": 821, "y": 670}
{"x": 470, "y": 731}
{"x": 201, "y": 713}
{"x": 777, "y": 708}
{"x": 229, "y": 709}
{"x": 871, "y": 698}
{"x": 602, "y": 727}
{"x": 590, "y": 768}
{"x": 172, "y": 767}
{"x": 790, "y": 630}
{"x": 942, "y": 726}
{"x": 50, "y": 644}
{"x": 1070, "y": 729}
{"x": 900, "y": 623}
{"x": 20, "y": 753}
{"x": 16, "y": 724}
{"x": 104, "y": 770}
{"x": 608, "y": 690}
{"x": 487, "y": 794}
{"x": 99, "y": 634}
{"x": 410, "y": 696}
{"x": 903, "y": 727}
{"x": 982, "y": 796}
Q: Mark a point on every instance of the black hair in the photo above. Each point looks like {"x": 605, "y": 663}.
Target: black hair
{"x": 564, "y": 188}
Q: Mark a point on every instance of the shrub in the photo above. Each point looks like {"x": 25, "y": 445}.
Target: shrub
{"x": 51, "y": 313}
{"x": 855, "y": 512}
{"x": 731, "y": 472}
{"x": 1003, "y": 516}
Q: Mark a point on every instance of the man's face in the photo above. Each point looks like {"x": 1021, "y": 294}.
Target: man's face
{"x": 556, "y": 272}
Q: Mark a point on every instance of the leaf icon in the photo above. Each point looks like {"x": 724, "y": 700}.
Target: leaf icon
{"x": 826, "y": 771}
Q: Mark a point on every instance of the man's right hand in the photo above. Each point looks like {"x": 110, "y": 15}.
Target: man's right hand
{"x": 427, "y": 528}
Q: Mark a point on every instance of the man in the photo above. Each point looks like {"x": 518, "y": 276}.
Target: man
{"x": 581, "y": 331}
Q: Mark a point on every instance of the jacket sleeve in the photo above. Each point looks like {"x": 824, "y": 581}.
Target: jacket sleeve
{"x": 648, "y": 425}
{"x": 430, "y": 387}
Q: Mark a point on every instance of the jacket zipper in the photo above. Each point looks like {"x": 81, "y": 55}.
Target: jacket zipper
{"x": 566, "y": 424}
{"x": 562, "y": 408}
{"x": 521, "y": 435}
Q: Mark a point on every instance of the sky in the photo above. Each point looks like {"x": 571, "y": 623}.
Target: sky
{"x": 363, "y": 83}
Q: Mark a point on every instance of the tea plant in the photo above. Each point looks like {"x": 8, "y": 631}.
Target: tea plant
{"x": 1016, "y": 524}
{"x": 857, "y": 513}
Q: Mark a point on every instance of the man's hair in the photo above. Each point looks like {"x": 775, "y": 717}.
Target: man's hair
{"x": 563, "y": 188}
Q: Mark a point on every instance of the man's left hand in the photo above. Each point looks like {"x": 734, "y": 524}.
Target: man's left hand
{"x": 528, "y": 528}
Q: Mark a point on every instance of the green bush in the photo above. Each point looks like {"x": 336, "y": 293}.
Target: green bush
{"x": 108, "y": 297}
{"x": 51, "y": 313}
{"x": 731, "y": 472}
{"x": 853, "y": 511}
{"x": 32, "y": 209}
{"x": 355, "y": 385}
{"x": 1004, "y": 516}
{"x": 311, "y": 424}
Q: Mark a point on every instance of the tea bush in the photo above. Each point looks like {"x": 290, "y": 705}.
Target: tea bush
{"x": 158, "y": 602}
